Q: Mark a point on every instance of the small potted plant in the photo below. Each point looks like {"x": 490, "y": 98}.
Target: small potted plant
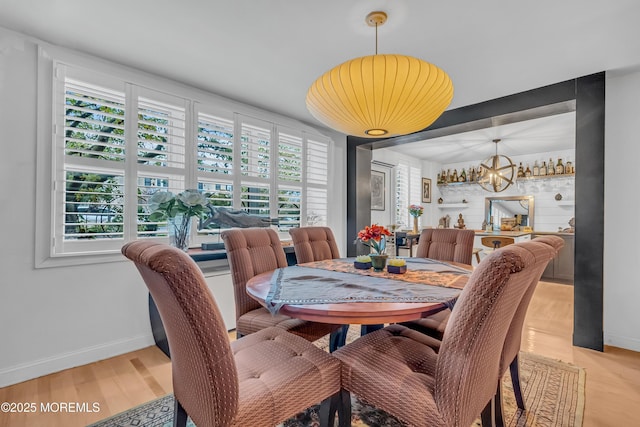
{"x": 362, "y": 262}
{"x": 375, "y": 236}
{"x": 177, "y": 210}
{"x": 397, "y": 266}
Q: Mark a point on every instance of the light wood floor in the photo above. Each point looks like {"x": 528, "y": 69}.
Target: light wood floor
{"x": 119, "y": 383}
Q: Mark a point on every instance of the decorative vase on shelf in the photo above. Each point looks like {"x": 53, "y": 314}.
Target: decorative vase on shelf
{"x": 179, "y": 231}
{"x": 415, "y": 225}
{"x": 378, "y": 261}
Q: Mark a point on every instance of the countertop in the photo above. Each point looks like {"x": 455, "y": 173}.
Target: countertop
{"x": 521, "y": 233}
{"x": 554, "y": 233}
{"x": 501, "y": 233}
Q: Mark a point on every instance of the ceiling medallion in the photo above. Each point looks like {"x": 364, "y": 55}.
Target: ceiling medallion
{"x": 496, "y": 177}
{"x": 380, "y": 95}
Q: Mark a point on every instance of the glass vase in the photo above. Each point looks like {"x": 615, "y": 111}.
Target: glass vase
{"x": 378, "y": 262}
{"x": 415, "y": 225}
{"x": 179, "y": 231}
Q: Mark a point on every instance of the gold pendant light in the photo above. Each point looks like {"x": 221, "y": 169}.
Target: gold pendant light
{"x": 380, "y": 95}
{"x": 496, "y": 177}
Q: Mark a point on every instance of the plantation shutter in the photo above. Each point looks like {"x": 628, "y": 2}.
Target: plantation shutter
{"x": 89, "y": 125}
{"x": 402, "y": 195}
{"x": 255, "y": 166}
{"x": 215, "y": 158}
{"x": 117, "y": 143}
{"x": 408, "y": 191}
{"x": 317, "y": 171}
{"x": 161, "y": 153}
{"x": 290, "y": 178}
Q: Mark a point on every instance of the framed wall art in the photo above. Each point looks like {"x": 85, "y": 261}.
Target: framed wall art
{"x": 377, "y": 190}
{"x": 426, "y": 190}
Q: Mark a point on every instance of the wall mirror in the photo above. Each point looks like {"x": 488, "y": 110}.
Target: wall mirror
{"x": 516, "y": 212}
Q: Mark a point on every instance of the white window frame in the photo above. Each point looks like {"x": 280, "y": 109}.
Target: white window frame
{"x": 135, "y": 82}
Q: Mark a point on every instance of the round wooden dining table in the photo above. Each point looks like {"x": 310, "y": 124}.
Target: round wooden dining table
{"x": 364, "y": 313}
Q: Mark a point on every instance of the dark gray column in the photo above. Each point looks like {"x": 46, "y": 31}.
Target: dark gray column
{"x": 358, "y": 194}
{"x": 588, "y": 266}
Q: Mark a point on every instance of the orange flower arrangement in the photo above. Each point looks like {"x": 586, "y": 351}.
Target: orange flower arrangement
{"x": 374, "y": 236}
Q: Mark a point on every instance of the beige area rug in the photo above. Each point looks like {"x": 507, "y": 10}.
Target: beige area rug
{"x": 553, "y": 393}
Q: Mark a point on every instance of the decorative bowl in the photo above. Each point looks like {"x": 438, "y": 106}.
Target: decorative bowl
{"x": 397, "y": 269}
{"x": 362, "y": 265}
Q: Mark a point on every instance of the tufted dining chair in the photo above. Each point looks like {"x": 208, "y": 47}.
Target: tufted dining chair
{"x": 446, "y": 244}
{"x": 314, "y": 244}
{"x": 252, "y": 251}
{"x": 436, "y": 324}
{"x": 514, "y": 335}
{"x": 317, "y": 244}
{"x": 259, "y": 380}
{"x": 399, "y": 370}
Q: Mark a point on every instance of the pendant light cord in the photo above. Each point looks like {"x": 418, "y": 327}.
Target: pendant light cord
{"x": 376, "y": 38}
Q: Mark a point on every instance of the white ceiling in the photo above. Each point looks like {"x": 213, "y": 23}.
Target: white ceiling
{"x": 543, "y": 135}
{"x": 267, "y": 53}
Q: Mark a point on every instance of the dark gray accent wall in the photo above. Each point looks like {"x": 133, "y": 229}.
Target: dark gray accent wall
{"x": 586, "y": 95}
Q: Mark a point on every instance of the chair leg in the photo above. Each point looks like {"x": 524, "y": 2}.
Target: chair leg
{"x": 344, "y": 409}
{"x": 338, "y": 338}
{"x": 367, "y": 329}
{"x": 179, "y": 415}
{"x": 497, "y": 407}
{"x": 327, "y": 411}
{"x": 339, "y": 403}
{"x": 514, "y": 369}
{"x": 486, "y": 416}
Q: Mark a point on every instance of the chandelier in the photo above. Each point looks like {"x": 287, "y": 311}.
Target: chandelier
{"x": 380, "y": 95}
{"x": 496, "y": 177}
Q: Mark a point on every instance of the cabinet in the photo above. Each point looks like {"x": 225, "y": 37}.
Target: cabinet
{"x": 561, "y": 267}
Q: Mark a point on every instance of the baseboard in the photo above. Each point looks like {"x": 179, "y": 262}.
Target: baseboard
{"x": 26, "y": 371}
{"x": 627, "y": 343}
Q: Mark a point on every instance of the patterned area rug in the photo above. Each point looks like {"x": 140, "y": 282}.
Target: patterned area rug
{"x": 553, "y": 393}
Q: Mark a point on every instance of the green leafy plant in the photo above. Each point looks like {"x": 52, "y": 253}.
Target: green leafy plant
{"x": 178, "y": 209}
{"x": 164, "y": 205}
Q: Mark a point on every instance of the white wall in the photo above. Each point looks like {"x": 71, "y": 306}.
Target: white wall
{"x": 386, "y": 217}
{"x": 622, "y": 205}
{"x": 56, "y": 318}
{"x": 549, "y": 215}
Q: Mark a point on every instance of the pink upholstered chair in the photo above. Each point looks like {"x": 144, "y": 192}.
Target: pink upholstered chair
{"x": 259, "y": 380}
{"x": 314, "y": 244}
{"x": 401, "y": 371}
{"x": 252, "y": 251}
{"x": 435, "y": 325}
{"x": 514, "y": 335}
{"x": 446, "y": 244}
{"x": 317, "y": 244}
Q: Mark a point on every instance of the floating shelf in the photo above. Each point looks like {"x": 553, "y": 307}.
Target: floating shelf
{"x": 547, "y": 177}
{"x": 453, "y": 205}
{"x": 457, "y": 184}
{"x": 531, "y": 178}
